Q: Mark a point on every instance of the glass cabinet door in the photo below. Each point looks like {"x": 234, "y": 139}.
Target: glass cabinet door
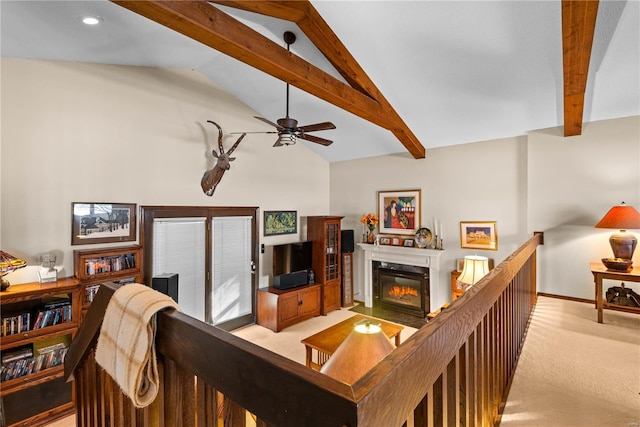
{"x": 332, "y": 250}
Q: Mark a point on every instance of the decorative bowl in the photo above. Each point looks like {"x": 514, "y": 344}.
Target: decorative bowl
{"x": 617, "y": 264}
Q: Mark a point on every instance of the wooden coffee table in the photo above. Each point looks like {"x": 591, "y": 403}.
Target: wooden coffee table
{"x": 326, "y": 342}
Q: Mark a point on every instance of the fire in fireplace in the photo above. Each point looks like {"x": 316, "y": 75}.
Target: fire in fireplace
{"x": 404, "y": 288}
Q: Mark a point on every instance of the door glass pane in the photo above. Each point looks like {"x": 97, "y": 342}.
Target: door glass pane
{"x": 179, "y": 247}
{"x": 231, "y": 295}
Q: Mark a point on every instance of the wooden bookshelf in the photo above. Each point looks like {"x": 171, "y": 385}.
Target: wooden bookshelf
{"x": 95, "y": 266}
{"x": 33, "y": 390}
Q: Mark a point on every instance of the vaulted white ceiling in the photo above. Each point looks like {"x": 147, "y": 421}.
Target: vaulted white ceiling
{"x": 455, "y": 71}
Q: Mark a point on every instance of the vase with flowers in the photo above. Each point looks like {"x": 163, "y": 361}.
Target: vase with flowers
{"x": 370, "y": 221}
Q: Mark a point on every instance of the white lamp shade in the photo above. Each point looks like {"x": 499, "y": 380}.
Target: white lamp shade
{"x": 358, "y": 353}
{"x": 475, "y": 268}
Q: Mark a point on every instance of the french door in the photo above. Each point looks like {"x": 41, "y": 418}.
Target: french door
{"x": 214, "y": 251}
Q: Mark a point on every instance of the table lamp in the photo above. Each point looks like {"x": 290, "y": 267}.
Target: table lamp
{"x": 9, "y": 263}
{"x": 475, "y": 268}
{"x": 621, "y": 217}
{"x": 363, "y": 348}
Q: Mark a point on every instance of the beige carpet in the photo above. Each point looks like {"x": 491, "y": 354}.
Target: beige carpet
{"x": 576, "y": 372}
{"x": 287, "y": 342}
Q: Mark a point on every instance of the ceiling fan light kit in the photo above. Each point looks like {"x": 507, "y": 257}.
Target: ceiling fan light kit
{"x": 285, "y": 139}
{"x": 287, "y": 128}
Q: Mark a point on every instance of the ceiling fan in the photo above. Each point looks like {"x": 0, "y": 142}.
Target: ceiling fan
{"x": 287, "y": 128}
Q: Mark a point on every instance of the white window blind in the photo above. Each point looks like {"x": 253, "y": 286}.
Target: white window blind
{"x": 231, "y": 263}
{"x": 179, "y": 247}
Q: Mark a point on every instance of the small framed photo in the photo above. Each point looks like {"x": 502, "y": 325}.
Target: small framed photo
{"x": 396, "y": 241}
{"x": 384, "y": 240}
{"x": 479, "y": 235}
{"x": 399, "y": 212}
{"x": 102, "y": 223}
{"x": 280, "y": 222}
{"x": 408, "y": 243}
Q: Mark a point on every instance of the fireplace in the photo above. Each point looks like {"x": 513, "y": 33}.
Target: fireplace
{"x": 403, "y": 288}
{"x": 439, "y": 290}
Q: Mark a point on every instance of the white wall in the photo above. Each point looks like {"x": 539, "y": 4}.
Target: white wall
{"x": 573, "y": 182}
{"x": 103, "y": 133}
{"x": 471, "y": 182}
{"x": 540, "y": 182}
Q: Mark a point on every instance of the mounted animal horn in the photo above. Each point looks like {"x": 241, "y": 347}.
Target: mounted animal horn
{"x": 212, "y": 177}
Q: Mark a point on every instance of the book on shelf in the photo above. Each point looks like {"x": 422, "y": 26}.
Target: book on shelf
{"x": 53, "y": 313}
{"x": 109, "y": 264}
{"x": 17, "y": 354}
{"x": 27, "y": 364}
{"x": 16, "y": 324}
{"x": 50, "y": 344}
{"x": 29, "y": 359}
{"x": 91, "y": 290}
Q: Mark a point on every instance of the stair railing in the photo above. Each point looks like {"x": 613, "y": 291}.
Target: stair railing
{"x": 455, "y": 370}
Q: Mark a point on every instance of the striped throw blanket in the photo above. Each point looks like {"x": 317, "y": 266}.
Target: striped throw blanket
{"x": 126, "y": 349}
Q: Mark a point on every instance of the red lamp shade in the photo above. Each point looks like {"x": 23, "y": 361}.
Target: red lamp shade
{"x": 621, "y": 217}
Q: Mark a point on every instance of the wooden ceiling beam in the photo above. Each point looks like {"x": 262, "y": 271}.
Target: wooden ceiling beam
{"x": 322, "y": 36}
{"x": 305, "y": 17}
{"x": 207, "y": 24}
{"x": 578, "y": 27}
{"x": 212, "y": 27}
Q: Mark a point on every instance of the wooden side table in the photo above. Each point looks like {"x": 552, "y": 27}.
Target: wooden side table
{"x": 601, "y": 272}
{"x": 327, "y": 341}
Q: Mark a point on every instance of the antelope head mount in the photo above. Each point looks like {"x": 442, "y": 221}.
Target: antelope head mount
{"x": 212, "y": 177}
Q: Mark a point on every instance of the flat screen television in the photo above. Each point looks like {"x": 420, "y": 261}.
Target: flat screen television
{"x": 291, "y": 257}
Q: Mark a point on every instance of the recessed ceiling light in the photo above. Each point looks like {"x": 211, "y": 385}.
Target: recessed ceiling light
{"x": 91, "y": 20}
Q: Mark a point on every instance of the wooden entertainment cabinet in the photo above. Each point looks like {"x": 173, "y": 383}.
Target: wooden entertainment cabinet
{"x": 278, "y": 309}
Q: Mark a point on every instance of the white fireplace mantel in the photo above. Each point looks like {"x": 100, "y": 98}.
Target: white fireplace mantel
{"x": 401, "y": 255}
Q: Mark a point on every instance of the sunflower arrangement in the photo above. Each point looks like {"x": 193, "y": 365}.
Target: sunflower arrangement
{"x": 370, "y": 220}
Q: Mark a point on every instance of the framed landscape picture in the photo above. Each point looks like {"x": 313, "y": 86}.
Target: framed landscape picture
{"x": 102, "y": 223}
{"x": 479, "y": 235}
{"x": 399, "y": 212}
{"x": 280, "y": 222}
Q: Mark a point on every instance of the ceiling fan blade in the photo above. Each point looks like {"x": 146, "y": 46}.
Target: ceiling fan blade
{"x": 269, "y": 122}
{"x": 238, "y": 133}
{"x": 315, "y": 139}
{"x": 317, "y": 126}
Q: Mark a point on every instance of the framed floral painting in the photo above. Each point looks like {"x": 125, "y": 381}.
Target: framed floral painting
{"x": 399, "y": 211}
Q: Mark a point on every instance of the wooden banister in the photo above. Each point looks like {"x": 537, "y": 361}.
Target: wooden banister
{"x": 453, "y": 371}
{"x": 87, "y": 336}
{"x": 430, "y": 350}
